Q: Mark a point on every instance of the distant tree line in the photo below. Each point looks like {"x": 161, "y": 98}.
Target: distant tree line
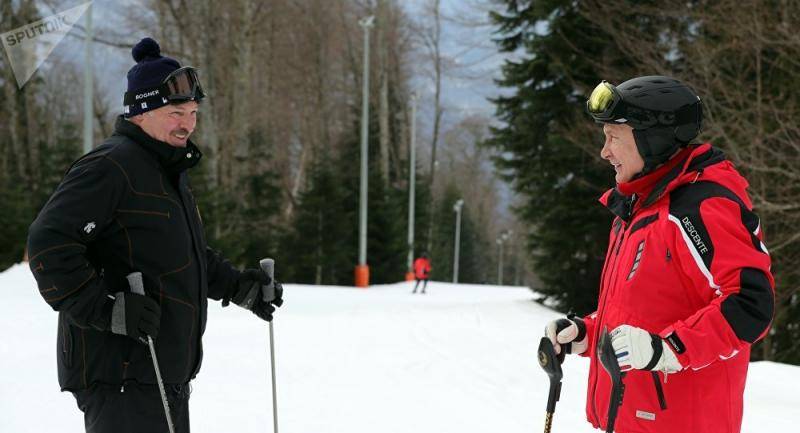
{"x": 280, "y": 136}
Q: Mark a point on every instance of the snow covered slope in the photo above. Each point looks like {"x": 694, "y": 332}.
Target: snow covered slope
{"x": 459, "y": 359}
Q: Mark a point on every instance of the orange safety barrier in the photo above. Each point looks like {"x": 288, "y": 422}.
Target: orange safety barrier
{"x": 362, "y": 276}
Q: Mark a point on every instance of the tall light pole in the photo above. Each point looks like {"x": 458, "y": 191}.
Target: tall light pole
{"x": 88, "y": 103}
{"x": 362, "y": 270}
{"x": 516, "y": 264}
{"x": 457, "y": 208}
{"x": 412, "y": 180}
{"x": 500, "y": 241}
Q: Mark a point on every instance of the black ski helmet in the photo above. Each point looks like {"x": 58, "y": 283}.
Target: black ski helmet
{"x": 664, "y": 113}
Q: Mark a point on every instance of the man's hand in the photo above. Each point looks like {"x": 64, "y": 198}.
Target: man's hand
{"x": 638, "y": 349}
{"x": 248, "y": 292}
{"x": 568, "y": 332}
{"x": 135, "y": 315}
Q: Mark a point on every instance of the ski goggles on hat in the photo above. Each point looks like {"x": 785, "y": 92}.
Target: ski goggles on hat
{"x": 603, "y": 102}
{"x": 606, "y": 105}
{"x": 182, "y": 85}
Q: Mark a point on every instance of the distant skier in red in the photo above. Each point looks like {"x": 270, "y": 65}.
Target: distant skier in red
{"x": 422, "y": 270}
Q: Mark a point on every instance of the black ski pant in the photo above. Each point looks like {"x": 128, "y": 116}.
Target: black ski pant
{"x": 133, "y": 408}
{"x": 424, "y": 284}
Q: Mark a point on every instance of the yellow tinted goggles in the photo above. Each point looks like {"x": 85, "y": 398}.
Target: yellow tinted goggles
{"x": 602, "y": 101}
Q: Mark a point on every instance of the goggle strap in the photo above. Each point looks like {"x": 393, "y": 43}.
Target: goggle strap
{"x": 683, "y": 116}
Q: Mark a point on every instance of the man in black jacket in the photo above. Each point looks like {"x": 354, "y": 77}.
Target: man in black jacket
{"x": 127, "y": 207}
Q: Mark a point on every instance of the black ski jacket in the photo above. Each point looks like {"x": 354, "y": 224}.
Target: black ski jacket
{"x": 126, "y": 206}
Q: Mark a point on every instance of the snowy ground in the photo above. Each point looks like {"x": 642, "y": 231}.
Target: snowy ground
{"x": 458, "y": 359}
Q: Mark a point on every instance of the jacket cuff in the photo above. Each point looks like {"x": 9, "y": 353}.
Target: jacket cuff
{"x": 103, "y": 322}
{"x": 675, "y": 343}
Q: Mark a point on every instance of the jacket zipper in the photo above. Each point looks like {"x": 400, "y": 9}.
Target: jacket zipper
{"x": 599, "y": 321}
{"x": 184, "y": 195}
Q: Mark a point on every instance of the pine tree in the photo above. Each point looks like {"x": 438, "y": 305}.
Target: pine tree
{"x": 318, "y": 248}
{"x": 322, "y": 243}
{"x": 259, "y": 229}
{"x": 14, "y": 221}
{"x": 559, "y": 180}
{"x": 476, "y": 253}
{"x": 386, "y": 214}
{"x": 441, "y": 254}
{"x": 242, "y": 224}
{"x": 422, "y": 192}
{"x": 476, "y": 262}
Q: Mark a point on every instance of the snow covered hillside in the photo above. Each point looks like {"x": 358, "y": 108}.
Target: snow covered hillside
{"x": 459, "y": 359}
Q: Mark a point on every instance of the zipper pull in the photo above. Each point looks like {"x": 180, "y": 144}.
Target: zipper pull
{"x": 697, "y": 176}
{"x": 666, "y": 375}
{"x": 669, "y": 255}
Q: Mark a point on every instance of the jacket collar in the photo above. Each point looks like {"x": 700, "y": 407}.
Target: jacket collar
{"x": 646, "y": 190}
{"x": 173, "y": 159}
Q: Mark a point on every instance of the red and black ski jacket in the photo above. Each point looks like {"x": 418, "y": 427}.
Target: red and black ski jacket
{"x": 685, "y": 261}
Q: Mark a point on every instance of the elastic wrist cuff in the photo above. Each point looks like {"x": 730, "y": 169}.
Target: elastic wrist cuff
{"x": 675, "y": 343}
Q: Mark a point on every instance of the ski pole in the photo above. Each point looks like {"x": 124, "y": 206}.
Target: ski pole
{"x": 137, "y": 286}
{"x": 551, "y": 363}
{"x": 268, "y": 266}
{"x": 605, "y": 352}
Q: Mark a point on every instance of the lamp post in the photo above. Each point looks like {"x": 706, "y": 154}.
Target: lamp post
{"x": 88, "y": 103}
{"x": 500, "y": 241}
{"x": 362, "y": 270}
{"x": 457, "y": 208}
{"x": 516, "y": 266}
{"x": 412, "y": 180}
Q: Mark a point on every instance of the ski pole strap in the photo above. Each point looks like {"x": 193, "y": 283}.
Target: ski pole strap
{"x": 617, "y": 393}
{"x": 605, "y": 353}
{"x": 658, "y": 350}
{"x": 551, "y": 364}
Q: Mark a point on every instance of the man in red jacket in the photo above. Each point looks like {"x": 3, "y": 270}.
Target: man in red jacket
{"x": 686, "y": 288}
{"x": 422, "y": 269}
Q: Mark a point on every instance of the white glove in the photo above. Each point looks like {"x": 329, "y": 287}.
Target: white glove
{"x": 570, "y": 332}
{"x": 638, "y": 349}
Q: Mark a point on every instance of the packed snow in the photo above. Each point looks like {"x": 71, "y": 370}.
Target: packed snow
{"x": 461, "y": 358}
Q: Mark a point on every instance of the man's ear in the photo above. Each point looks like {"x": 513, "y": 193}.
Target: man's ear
{"x": 137, "y": 119}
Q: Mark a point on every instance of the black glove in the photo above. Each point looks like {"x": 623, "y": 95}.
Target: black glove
{"x": 135, "y": 315}
{"x": 248, "y": 292}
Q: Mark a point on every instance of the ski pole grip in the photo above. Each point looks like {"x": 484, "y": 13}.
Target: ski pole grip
{"x": 135, "y": 281}
{"x": 268, "y": 291}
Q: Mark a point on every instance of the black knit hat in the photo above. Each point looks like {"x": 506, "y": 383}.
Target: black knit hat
{"x": 150, "y": 70}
